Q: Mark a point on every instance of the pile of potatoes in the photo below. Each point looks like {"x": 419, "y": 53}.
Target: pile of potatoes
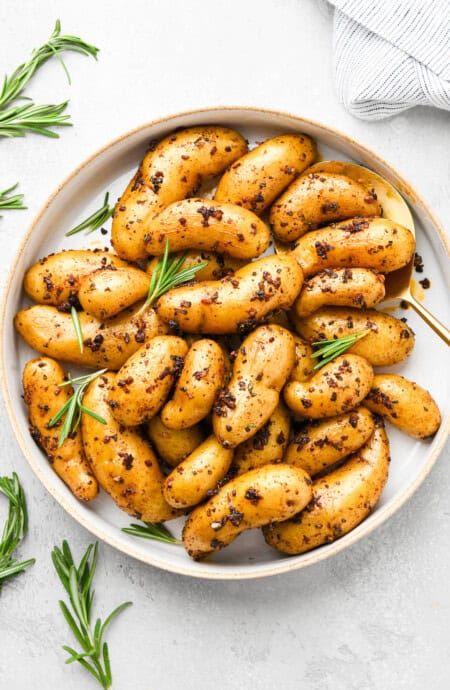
{"x": 213, "y": 408}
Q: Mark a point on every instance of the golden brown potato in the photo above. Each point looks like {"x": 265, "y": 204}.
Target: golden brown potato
{"x": 234, "y": 303}
{"x": 375, "y": 243}
{"x": 337, "y": 387}
{"x": 320, "y": 445}
{"x": 173, "y": 445}
{"x": 55, "y": 279}
{"x": 267, "y": 445}
{"x": 172, "y": 170}
{"x": 320, "y": 199}
{"x": 200, "y": 381}
{"x": 198, "y": 475}
{"x": 107, "y": 292}
{"x": 344, "y": 287}
{"x": 122, "y": 461}
{"x": 142, "y": 385}
{"x": 304, "y": 363}
{"x": 44, "y": 398}
{"x": 217, "y": 266}
{"x": 209, "y": 226}
{"x": 106, "y": 343}
{"x": 388, "y": 341}
{"x": 268, "y": 494}
{"x": 261, "y": 368}
{"x": 404, "y": 404}
{"x": 256, "y": 179}
{"x": 341, "y": 500}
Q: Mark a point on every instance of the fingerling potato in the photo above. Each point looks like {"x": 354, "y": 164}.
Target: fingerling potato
{"x": 107, "y": 292}
{"x": 122, "y": 461}
{"x": 338, "y": 387}
{"x": 261, "y": 368}
{"x": 173, "y": 445}
{"x": 320, "y": 445}
{"x": 106, "y": 343}
{"x": 210, "y": 226}
{"x": 267, "y": 445}
{"x": 361, "y": 288}
{"x": 56, "y": 278}
{"x": 341, "y": 500}
{"x": 201, "y": 379}
{"x": 192, "y": 480}
{"x": 255, "y": 180}
{"x": 404, "y": 404}
{"x": 268, "y": 494}
{"x": 236, "y": 302}
{"x": 44, "y": 397}
{"x": 217, "y": 266}
{"x": 376, "y": 243}
{"x": 388, "y": 341}
{"x": 319, "y": 199}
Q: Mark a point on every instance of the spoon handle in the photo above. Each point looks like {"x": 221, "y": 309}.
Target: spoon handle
{"x": 438, "y": 327}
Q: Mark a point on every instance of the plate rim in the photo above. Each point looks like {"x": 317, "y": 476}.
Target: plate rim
{"x": 244, "y": 572}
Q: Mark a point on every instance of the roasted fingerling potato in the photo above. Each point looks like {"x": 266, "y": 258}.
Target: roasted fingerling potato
{"x": 404, "y": 404}
{"x": 272, "y": 493}
{"x": 173, "y": 445}
{"x": 258, "y": 178}
{"x": 237, "y": 302}
{"x": 107, "y": 292}
{"x": 262, "y": 366}
{"x": 44, "y": 396}
{"x": 267, "y": 445}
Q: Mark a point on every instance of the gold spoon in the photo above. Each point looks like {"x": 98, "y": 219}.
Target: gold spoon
{"x": 398, "y": 284}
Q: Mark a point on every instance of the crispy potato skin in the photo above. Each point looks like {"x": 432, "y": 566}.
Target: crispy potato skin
{"x": 257, "y": 178}
{"x": 107, "y": 292}
{"x": 268, "y": 494}
{"x": 55, "y": 279}
{"x": 261, "y": 368}
{"x": 404, "y": 404}
{"x": 304, "y": 363}
{"x": 235, "y": 302}
{"x": 123, "y": 462}
{"x": 318, "y": 446}
{"x": 142, "y": 385}
{"x": 217, "y": 266}
{"x": 360, "y": 288}
{"x": 375, "y": 243}
{"x": 209, "y": 226}
{"x": 341, "y": 500}
{"x": 319, "y": 199}
{"x": 190, "y": 482}
{"x": 106, "y": 343}
{"x": 267, "y": 445}
{"x": 388, "y": 342}
{"x": 172, "y": 445}
{"x": 200, "y": 381}
{"x": 44, "y": 398}
{"x": 338, "y": 387}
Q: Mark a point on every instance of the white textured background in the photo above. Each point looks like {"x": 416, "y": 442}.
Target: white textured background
{"x": 375, "y": 617}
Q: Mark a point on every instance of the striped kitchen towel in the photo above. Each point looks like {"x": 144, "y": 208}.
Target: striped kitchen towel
{"x": 390, "y": 55}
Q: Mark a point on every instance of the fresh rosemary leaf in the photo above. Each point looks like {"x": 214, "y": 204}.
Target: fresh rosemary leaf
{"x": 18, "y": 120}
{"x": 10, "y": 201}
{"x": 56, "y": 44}
{"x": 77, "y": 327}
{"x": 73, "y": 408}
{"x": 95, "y": 220}
{"x": 77, "y": 582}
{"x": 156, "y": 531}
{"x": 14, "y": 529}
{"x": 330, "y": 349}
{"x": 168, "y": 274}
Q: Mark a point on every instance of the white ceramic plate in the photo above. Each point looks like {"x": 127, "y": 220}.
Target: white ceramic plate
{"x": 110, "y": 169}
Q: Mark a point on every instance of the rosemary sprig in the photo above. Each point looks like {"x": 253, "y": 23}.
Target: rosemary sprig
{"x": 77, "y": 581}
{"x": 14, "y": 529}
{"x": 56, "y": 44}
{"x": 10, "y": 201}
{"x": 168, "y": 274}
{"x": 77, "y": 327}
{"x": 152, "y": 530}
{"x": 330, "y": 349}
{"x": 18, "y": 120}
{"x": 73, "y": 408}
{"x": 95, "y": 220}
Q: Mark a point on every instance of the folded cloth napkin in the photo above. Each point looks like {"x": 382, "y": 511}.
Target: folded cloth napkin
{"x": 390, "y": 55}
